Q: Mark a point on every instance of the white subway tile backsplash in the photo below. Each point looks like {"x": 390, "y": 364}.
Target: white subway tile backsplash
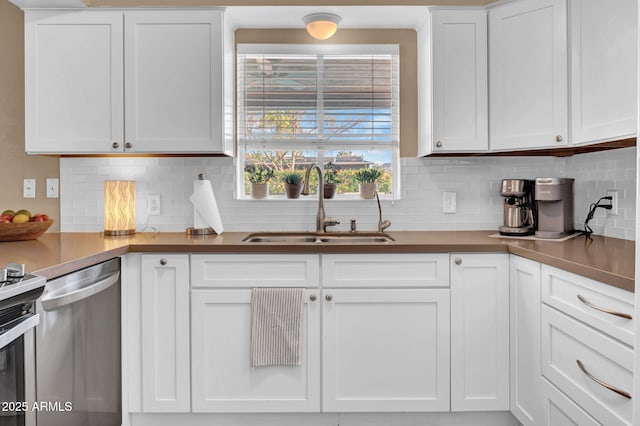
{"x": 476, "y": 181}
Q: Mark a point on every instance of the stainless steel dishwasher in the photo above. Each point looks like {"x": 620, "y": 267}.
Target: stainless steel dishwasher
{"x": 78, "y": 373}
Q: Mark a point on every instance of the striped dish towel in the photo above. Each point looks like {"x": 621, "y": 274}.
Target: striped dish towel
{"x": 276, "y": 326}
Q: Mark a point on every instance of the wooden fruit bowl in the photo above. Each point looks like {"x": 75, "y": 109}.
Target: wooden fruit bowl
{"x": 23, "y": 231}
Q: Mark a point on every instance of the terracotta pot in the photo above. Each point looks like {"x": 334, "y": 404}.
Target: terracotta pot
{"x": 330, "y": 190}
{"x": 293, "y": 190}
{"x": 367, "y": 190}
{"x": 259, "y": 190}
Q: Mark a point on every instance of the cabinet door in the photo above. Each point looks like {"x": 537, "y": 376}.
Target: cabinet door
{"x": 73, "y": 82}
{"x": 479, "y": 332}
{"x": 526, "y": 378}
{"x": 528, "y": 75}
{"x": 223, "y": 380}
{"x": 165, "y": 333}
{"x": 385, "y": 350}
{"x": 173, "y": 74}
{"x": 460, "y": 86}
{"x": 604, "y": 57}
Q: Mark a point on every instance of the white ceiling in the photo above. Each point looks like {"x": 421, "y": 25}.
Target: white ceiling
{"x": 351, "y": 16}
{"x": 291, "y": 16}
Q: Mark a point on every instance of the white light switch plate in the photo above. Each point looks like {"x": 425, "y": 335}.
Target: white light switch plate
{"x": 52, "y": 188}
{"x": 29, "y": 188}
{"x": 448, "y": 202}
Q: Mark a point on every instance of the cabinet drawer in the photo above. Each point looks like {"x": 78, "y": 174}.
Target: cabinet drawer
{"x": 254, "y": 270}
{"x": 564, "y": 291}
{"x": 561, "y": 411}
{"x": 566, "y": 341}
{"x": 386, "y": 270}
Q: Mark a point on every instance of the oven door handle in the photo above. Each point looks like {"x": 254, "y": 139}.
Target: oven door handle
{"x": 29, "y": 322}
{"x": 55, "y": 302}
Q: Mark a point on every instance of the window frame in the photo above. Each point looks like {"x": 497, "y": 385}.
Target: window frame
{"x": 319, "y": 146}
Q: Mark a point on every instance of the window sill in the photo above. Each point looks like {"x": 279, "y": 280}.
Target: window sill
{"x": 314, "y": 198}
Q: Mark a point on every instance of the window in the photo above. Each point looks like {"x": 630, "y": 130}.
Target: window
{"x": 305, "y": 104}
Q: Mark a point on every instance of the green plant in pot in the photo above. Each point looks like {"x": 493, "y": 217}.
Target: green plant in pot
{"x": 259, "y": 176}
{"x": 331, "y": 180}
{"x": 367, "y": 178}
{"x": 292, "y": 184}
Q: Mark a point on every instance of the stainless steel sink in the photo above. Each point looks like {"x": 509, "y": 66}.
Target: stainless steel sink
{"x": 319, "y": 238}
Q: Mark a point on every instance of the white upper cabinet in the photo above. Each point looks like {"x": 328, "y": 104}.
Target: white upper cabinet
{"x": 173, "y": 91}
{"x": 173, "y": 67}
{"x": 452, "y": 81}
{"x": 528, "y": 75}
{"x": 73, "y": 82}
{"x": 604, "y": 56}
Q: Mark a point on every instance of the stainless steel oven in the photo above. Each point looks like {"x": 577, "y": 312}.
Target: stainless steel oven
{"x": 18, "y": 293}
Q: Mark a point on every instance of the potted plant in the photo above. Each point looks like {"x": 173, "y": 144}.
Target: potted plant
{"x": 292, "y": 184}
{"x": 259, "y": 177}
{"x": 331, "y": 181}
{"x": 367, "y": 178}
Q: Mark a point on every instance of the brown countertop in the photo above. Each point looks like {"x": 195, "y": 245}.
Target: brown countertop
{"x": 609, "y": 260}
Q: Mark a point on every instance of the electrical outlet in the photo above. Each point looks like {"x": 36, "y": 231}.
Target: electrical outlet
{"x": 154, "y": 204}
{"x": 448, "y": 202}
{"x": 614, "y": 201}
{"x": 52, "y": 188}
{"x": 29, "y": 188}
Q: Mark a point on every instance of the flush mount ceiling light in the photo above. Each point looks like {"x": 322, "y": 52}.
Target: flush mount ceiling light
{"x": 322, "y": 25}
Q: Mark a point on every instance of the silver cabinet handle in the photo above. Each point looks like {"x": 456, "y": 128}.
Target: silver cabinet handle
{"x": 128, "y": 145}
{"x": 606, "y": 311}
{"x": 313, "y": 297}
{"x": 601, "y": 383}
{"x": 115, "y": 145}
{"x": 439, "y": 144}
{"x": 559, "y": 138}
{"x": 328, "y": 298}
{"x": 458, "y": 261}
{"x": 163, "y": 261}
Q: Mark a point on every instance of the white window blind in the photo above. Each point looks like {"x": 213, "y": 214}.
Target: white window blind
{"x": 318, "y": 95}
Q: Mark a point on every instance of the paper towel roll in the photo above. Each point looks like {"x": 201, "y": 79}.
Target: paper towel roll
{"x": 206, "y": 213}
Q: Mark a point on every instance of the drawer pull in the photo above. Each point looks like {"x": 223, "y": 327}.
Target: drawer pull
{"x": 601, "y": 383}
{"x": 606, "y": 311}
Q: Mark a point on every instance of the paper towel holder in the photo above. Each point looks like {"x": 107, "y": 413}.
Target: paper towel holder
{"x": 200, "y": 231}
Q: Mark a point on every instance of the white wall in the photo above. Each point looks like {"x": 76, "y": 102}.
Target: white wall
{"x": 597, "y": 172}
{"x": 476, "y": 181}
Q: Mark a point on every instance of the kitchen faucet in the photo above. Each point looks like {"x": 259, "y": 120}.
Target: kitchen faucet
{"x": 321, "y": 220}
{"x": 381, "y": 225}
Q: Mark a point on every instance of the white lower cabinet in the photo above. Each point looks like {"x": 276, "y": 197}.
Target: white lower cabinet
{"x": 165, "y": 333}
{"x": 561, "y": 411}
{"x": 588, "y": 367}
{"x": 479, "y": 331}
{"x": 490, "y": 332}
{"x": 524, "y": 341}
{"x": 385, "y": 350}
{"x": 223, "y": 380}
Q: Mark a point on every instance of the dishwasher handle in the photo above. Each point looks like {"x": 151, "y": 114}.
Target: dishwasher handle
{"x": 58, "y": 301}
